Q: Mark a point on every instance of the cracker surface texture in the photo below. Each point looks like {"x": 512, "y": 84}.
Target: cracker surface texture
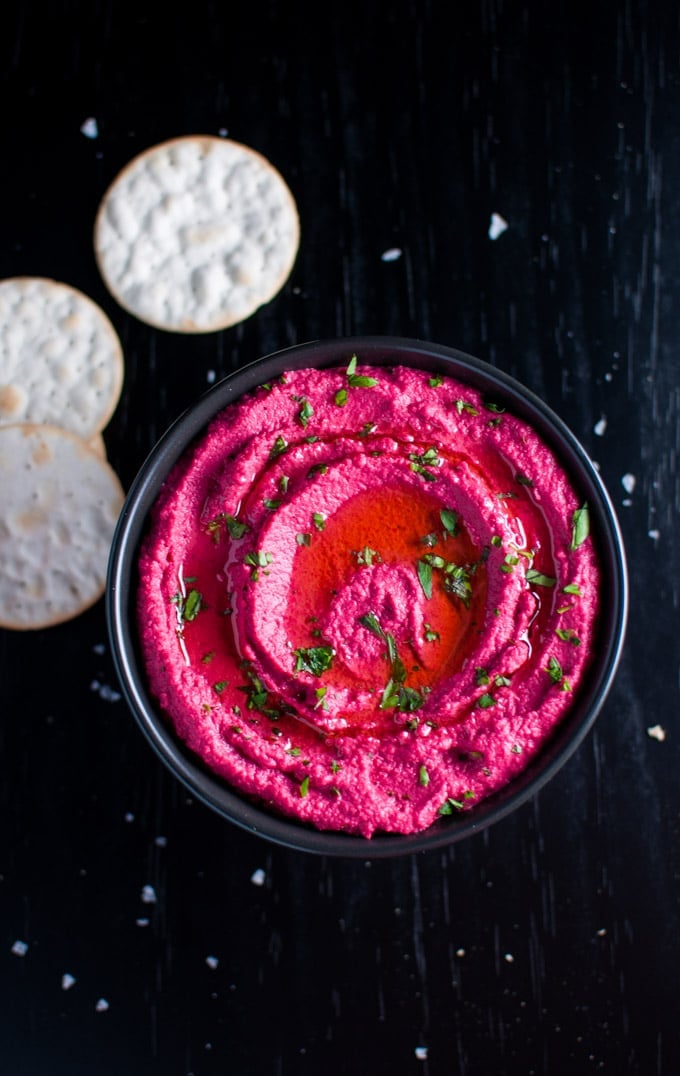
{"x": 196, "y": 233}
{"x": 60, "y": 503}
{"x": 61, "y": 362}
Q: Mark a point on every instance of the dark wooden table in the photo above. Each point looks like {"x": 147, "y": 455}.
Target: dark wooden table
{"x": 550, "y": 943}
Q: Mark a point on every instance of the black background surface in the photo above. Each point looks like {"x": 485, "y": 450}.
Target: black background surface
{"x": 550, "y": 943}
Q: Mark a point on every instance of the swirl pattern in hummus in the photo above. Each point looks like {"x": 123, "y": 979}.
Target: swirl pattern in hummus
{"x": 368, "y": 596}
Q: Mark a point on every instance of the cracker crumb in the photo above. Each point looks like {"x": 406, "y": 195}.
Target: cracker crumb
{"x": 90, "y": 128}
{"x": 67, "y": 981}
{"x": 212, "y": 962}
{"x": 102, "y": 1005}
{"x": 509, "y": 958}
{"x": 148, "y": 895}
{"x": 600, "y": 427}
{"x": 628, "y": 482}
{"x": 393, "y": 254}
{"x": 20, "y": 948}
{"x": 497, "y": 226}
{"x": 601, "y": 933}
{"x": 258, "y": 877}
{"x": 653, "y": 534}
{"x": 142, "y": 922}
{"x": 657, "y": 732}
{"x": 421, "y": 1053}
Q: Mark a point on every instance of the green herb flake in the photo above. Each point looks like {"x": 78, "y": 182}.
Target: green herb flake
{"x": 431, "y": 636}
{"x": 435, "y": 382}
{"x": 313, "y": 659}
{"x": 280, "y": 445}
{"x": 318, "y": 520}
{"x": 304, "y": 786}
{"x": 538, "y": 579}
{"x": 271, "y": 504}
{"x": 572, "y": 588}
{"x": 568, "y": 635}
{"x": 208, "y": 657}
{"x": 497, "y": 541}
{"x": 429, "y": 540}
{"x": 580, "y": 526}
{"x": 485, "y": 701}
{"x": 449, "y": 806}
{"x": 425, "y": 577}
{"x": 554, "y": 670}
{"x": 303, "y": 539}
{"x": 306, "y": 412}
{"x": 192, "y": 605}
{"x": 423, "y": 777}
{"x": 340, "y": 398}
{"x": 449, "y": 520}
{"x": 463, "y": 406}
{"x": 523, "y": 480}
{"x": 370, "y": 621}
{"x": 481, "y": 676}
{"x": 220, "y": 686}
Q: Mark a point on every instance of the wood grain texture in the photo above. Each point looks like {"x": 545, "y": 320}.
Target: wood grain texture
{"x": 549, "y": 944}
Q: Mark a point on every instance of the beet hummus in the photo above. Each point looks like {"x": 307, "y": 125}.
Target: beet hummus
{"x": 367, "y": 597}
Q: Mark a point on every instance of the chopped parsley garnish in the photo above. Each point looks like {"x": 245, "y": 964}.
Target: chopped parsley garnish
{"x": 421, "y": 461}
{"x": 572, "y": 588}
{"x": 457, "y": 582}
{"x": 435, "y": 382}
{"x": 271, "y": 504}
{"x": 485, "y": 701}
{"x": 318, "y": 520}
{"x": 208, "y": 657}
{"x": 423, "y": 777}
{"x": 463, "y": 406}
{"x": 481, "y": 676}
{"x": 538, "y": 579}
{"x": 580, "y": 526}
{"x": 313, "y": 659}
{"x": 449, "y": 806}
{"x": 190, "y": 606}
{"x": 304, "y": 786}
{"x": 306, "y": 412}
{"x": 370, "y": 621}
{"x": 555, "y": 671}
{"x": 449, "y": 520}
{"x": 220, "y": 686}
{"x": 431, "y": 636}
{"x": 425, "y": 577}
{"x": 366, "y": 556}
{"x": 303, "y": 539}
{"x": 523, "y": 479}
{"x": 280, "y": 445}
{"x": 236, "y": 527}
{"x": 568, "y": 635}
{"x": 354, "y": 381}
{"x": 430, "y": 539}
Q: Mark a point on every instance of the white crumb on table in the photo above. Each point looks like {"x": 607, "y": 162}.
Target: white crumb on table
{"x": 497, "y": 226}
{"x": 657, "y": 732}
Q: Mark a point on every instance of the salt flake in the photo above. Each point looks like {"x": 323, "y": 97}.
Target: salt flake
{"x": 509, "y": 958}
{"x": 67, "y": 981}
{"x": 498, "y": 226}
{"x": 600, "y": 427}
{"x": 212, "y": 962}
{"x": 148, "y": 895}
{"x": 628, "y": 482}
{"x": 653, "y": 534}
{"x": 657, "y": 732}
{"x": 421, "y": 1053}
{"x": 90, "y": 128}
{"x": 391, "y": 255}
{"x": 20, "y": 948}
{"x": 102, "y": 1005}
{"x": 258, "y": 877}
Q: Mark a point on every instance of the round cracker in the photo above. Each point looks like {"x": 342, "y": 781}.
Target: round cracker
{"x": 196, "y": 233}
{"x": 61, "y": 362}
{"x": 60, "y": 504}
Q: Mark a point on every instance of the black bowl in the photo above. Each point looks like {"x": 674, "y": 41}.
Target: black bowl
{"x": 122, "y": 580}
